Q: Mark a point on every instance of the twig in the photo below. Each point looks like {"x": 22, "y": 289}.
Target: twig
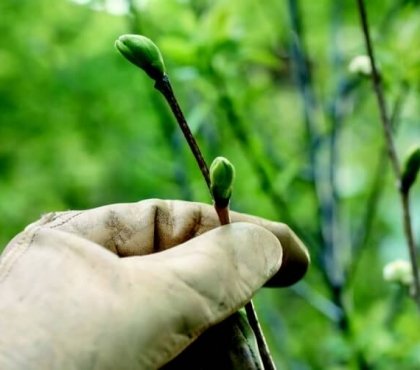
{"x": 164, "y": 86}
{"x": 174, "y": 142}
{"x": 262, "y": 344}
{"x": 377, "y": 86}
{"x": 251, "y": 313}
{"x": 143, "y": 53}
{"x": 387, "y": 129}
{"x": 364, "y": 228}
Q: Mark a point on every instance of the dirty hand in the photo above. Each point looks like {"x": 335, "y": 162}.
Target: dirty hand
{"x": 88, "y": 290}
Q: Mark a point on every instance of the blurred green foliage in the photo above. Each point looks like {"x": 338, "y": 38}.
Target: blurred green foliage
{"x": 80, "y": 127}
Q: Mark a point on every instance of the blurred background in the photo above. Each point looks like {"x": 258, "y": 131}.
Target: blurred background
{"x": 275, "y": 86}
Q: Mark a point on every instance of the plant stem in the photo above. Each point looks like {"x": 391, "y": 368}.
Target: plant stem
{"x": 223, "y": 213}
{"x": 387, "y": 129}
{"x": 365, "y": 226}
{"x": 322, "y": 187}
{"x": 405, "y": 200}
{"x": 379, "y": 92}
{"x": 164, "y": 86}
{"x": 323, "y": 195}
{"x": 262, "y": 344}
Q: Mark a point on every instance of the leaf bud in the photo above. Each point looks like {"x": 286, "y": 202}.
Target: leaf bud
{"x": 142, "y": 52}
{"x": 222, "y": 176}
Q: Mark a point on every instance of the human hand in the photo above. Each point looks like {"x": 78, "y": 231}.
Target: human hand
{"x": 68, "y": 301}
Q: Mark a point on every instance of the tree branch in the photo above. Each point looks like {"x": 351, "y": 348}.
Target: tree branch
{"x": 379, "y": 92}
{"x": 387, "y": 129}
{"x": 364, "y": 228}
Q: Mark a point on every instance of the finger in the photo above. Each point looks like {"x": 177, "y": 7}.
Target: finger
{"x": 296, "y": 258}
{"x": 199, "y": 283}
{"x": 154, "y": 225}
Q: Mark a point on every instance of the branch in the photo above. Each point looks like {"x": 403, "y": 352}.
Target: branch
{"x": 163, "y": 85}
{"x": 379, "y": 92}
{"x": 144, "y": 54}
{"x": 363, "y": 231}
{"x": 387, "y": 129}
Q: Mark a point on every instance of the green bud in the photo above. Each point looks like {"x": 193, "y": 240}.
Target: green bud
{"x": 142, "y": 52}
{"x": 411, "y": 169}
{"x": 222, "y": 176}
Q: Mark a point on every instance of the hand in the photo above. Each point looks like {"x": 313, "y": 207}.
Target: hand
{"x": 69, "y": 301}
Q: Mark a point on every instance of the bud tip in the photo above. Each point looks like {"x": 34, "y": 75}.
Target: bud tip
{"x": 222, "y": 176}
{"x": 142, "y": 52}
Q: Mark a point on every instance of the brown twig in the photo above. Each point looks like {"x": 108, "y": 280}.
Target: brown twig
{"x": 251, "y": 314}
{"x": 223, "y": 213}
{"x": 164, "y": 86}
{"x": 379, "y": 92}
{"x": 375, "y": 192}
{"x": 387, "y": 129}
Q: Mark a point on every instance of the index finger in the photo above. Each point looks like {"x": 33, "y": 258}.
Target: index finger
{"x": 150, "y": 226}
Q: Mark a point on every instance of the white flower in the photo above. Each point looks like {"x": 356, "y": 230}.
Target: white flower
{"x": 361, "y": 64}
{"x": 398, "y": 271}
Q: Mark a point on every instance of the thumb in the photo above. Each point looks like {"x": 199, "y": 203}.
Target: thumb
{"x": 198, "y": 284}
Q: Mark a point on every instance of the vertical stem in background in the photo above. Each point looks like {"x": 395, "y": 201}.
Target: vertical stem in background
{"x": 325, "y": 189}
{"x": 336, "y": 118}
{"x": 377, "y": 85}
{"x": 333, "y": 273}
{"x": 364, "y": 228}
{"x": 387, "y": 130}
